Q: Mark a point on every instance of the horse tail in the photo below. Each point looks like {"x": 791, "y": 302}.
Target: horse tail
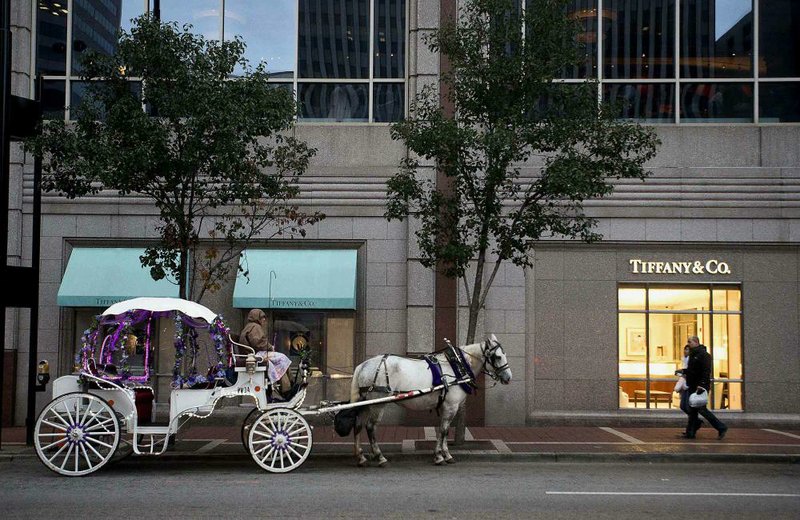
{"x": 346, "y": 421}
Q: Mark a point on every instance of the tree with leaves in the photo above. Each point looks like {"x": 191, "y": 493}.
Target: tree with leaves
{"x": 162, "y": 119}
{"x": 511, "y": 112}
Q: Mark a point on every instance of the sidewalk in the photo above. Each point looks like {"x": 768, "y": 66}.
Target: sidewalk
{"x": 546, "y": 443}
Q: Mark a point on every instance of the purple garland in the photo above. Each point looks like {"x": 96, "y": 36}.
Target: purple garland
{"x": 219, "y": 335}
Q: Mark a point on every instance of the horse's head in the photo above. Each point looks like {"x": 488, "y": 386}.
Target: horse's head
{"x": 495, "y": 359}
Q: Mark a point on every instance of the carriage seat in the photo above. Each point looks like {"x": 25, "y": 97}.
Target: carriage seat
{"x": 144, "y": 399}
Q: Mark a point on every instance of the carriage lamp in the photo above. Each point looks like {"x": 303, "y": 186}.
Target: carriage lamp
{"x": 42, "y": 375}
{"x": 250, "y": 364}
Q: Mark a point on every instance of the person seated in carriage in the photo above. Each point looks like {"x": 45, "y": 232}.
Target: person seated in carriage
{"x": 253, "y": 335}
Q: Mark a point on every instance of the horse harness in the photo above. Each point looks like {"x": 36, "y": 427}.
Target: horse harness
{"x": 458, "y": 363}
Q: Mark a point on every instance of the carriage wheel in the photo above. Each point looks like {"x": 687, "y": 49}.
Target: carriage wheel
{"x": 76, "y": 434}
{"x": 280, "y": 440}
{"x": 248, "y": 423}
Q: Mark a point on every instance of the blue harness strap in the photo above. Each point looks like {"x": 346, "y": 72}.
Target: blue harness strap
{"x": 461, "y": 368}
{"x": 436, "y": 370}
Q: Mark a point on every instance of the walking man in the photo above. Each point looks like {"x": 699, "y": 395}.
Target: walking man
{"x": 698, "y": 375}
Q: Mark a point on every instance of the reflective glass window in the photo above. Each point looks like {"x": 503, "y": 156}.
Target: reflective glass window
{"x": 717, "y": 38}
{"x": 779, "y": 38}
{"x": 51, "y": 36}
{"x": 389, "y": 39}
{"x": 96, "y": 25}
{"x": 333, "y": 101}
{"x": 52, "y": 96}
{"x": 333, "y": 39}
{"x": 388, "y": 102}
{"x": 779, "y": 102}
{"x": 584, "y": 13}
{"x": 639, "y": 38}
{"x": 648, "y": 102}
{"x": 203, "y": 15}
{"x": 717, "y": 102}
{"x": 269, "y": 29}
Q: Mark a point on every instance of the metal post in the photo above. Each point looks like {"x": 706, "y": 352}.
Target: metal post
{"x": 33, "y": 349}
{"x": 5, "y": 85}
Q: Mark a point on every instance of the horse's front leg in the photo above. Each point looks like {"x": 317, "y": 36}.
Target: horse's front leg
{"x": 444, "y": 428}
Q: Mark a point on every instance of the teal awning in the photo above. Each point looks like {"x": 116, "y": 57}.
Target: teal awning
{"x": 296, "y": 279}
{"x": 99, "y": 277}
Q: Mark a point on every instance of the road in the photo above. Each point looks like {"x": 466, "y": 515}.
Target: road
{"x": 324, "y": 488}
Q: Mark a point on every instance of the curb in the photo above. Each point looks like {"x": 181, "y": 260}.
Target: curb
{"x": 567, "y": 457}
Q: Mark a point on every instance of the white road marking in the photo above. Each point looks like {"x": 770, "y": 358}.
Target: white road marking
{"x": 672, "y": 494}
{"x": 468, "y": 435}
{"x": 430, "y": 433}
{"x": 793, "y": 436}
{"x": 657, "y": 443}
{"x": 501, "y": 446}
{"x": 211, "y": 445}
{"x": 612, "y": 431}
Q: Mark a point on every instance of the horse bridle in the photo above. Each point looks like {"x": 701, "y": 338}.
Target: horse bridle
{"x": 488, "y": 350}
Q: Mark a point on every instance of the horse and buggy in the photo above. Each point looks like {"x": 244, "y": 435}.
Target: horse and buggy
{"x": 105, "y": 410}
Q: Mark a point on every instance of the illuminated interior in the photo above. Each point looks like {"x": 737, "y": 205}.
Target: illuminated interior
{"x": 654, "y": 323}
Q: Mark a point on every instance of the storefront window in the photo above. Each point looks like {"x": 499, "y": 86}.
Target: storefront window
{"x": 655, "y": 322}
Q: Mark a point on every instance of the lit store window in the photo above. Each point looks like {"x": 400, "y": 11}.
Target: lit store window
{"x": 654, "y": 323}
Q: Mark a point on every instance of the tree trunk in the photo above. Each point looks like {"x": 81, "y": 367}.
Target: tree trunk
{"x": 183, "y": 279}
{"x": 459, "y": 422}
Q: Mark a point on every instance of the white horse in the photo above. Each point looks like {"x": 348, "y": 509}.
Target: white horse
{"x": 399, "y": 374}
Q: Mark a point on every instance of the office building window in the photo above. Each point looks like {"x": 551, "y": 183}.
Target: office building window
{"x": 344, "y": 59}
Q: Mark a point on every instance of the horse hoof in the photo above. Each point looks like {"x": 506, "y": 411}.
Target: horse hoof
{"x": 362, "y": 462}
{"x": 382, "y": 462}
{"x": 451, "y": 460}
{"x": 438, "y": 461}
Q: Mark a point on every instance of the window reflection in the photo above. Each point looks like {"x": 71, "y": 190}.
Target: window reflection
{"x": 388, "y": 101}
{"x": 584, "y": 13}
{"x": 779, "y": 44}
{"x": 333, "y": 39}
{"x": 390, "y": 39}
{"x": 95, "y": 26}
{"x": 779, "y": 102}
{"x": 716, "y": 38}
{"x": 202, "y": 15}
{"x": 639, "y": 38}
{"x": 51, "y": 34}
{"x": 647, "y": 102}
{"x": 333, "y": 102}
{"x": 269, "y": 29}
{"x": 53, "y": 93}
{"x": 720, "y": 102}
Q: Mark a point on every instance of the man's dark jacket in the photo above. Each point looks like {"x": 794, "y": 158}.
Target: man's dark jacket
{"x": 698, "y": 371}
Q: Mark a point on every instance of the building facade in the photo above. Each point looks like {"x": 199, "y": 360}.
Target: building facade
{"x": 708, "y": 245}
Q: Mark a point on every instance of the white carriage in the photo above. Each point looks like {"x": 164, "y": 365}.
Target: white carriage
{"x": 103, "y": 411}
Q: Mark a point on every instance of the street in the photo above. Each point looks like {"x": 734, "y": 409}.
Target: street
{"x": 333, "y": 487}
